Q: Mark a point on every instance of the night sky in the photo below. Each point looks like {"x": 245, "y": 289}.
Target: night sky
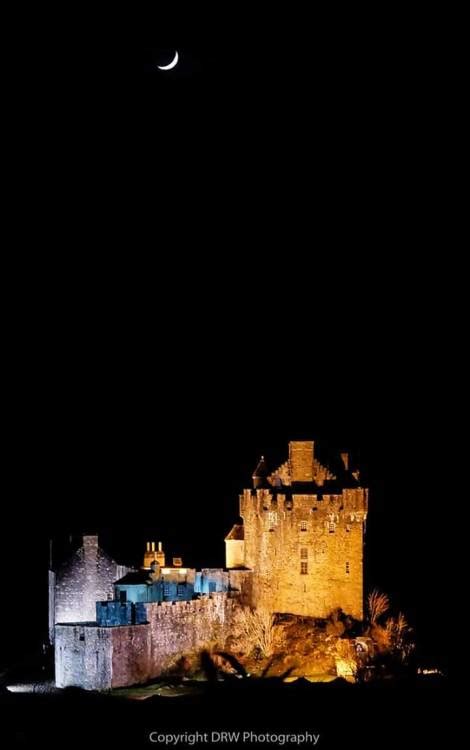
{"x": 271, "y": 191}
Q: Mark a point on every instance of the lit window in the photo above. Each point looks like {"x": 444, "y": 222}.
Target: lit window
{"x": 303, "y": 526}
{"x": 272, "y": 518}
{"x": 303, "y": 567}
{"x": 347, "y": 568}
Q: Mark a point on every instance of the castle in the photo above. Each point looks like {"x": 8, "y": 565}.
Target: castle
{"x": 299, "y": 550}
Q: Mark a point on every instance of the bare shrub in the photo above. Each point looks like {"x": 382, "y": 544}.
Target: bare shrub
{"x": 394, "y": 640}
{"x": 377, "y": 605}
{"x": 254, "y": 629}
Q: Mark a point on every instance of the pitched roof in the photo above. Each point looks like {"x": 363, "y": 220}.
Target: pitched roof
{"x": 135, "y": 578}
{"x": 237, "y": 532}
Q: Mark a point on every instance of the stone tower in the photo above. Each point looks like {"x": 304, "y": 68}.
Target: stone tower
{"x": 303, "y": 535}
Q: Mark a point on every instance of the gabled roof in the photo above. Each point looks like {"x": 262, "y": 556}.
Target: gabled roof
{"x": 237, "y": 532}
{"x": 135, "y": 578}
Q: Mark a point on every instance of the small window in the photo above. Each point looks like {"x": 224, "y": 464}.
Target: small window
{"x": 166, "y": 589}
{"x": 303, "y": 567}
{"x": 272, "y": 519}
{"x": 123, "y": 597}
{"x": 331, "y": 527}
{"x": 303, "y": 526}
{"x": 303, "y": 553}
{"x": 347, "y": 568}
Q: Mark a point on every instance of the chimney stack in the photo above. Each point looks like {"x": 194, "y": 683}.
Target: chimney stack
{"x": 301, "y": 454}
{"x": 90, "y": 547}
{"x": 152, "y": 553}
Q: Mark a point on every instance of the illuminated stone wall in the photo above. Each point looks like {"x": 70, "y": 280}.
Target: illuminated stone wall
{"x": 234, "y": 553}
{"x": 300, "y": 458}
{"x": 187, "y": 627}
{"x": 241, "y": 584}
{"x": 83, "y": 656}
{"x": 98, "y": 658}
{"x": 305, "y": 550}
{"x": 87, "y": 577}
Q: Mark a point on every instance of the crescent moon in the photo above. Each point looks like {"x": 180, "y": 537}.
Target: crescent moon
{"x": 171, "y": 65}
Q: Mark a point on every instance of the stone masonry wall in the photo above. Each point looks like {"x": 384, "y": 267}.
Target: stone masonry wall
{"x": 234, "y": 553}
{"x": 300, "y": 460}
{"x": 306, "y": 551}
{"x": 98, "y": 658}
{"x": 241, "y": 584}
{"x": 83, "y": 656}
{"x": 83, "y": 580}
{"x": 186, "y": 627}
{"x": 131, "y": 658}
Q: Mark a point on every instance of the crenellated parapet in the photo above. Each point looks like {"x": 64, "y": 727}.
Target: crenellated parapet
{"x": 212, "y": 605}
{"x": 96, "y": 657}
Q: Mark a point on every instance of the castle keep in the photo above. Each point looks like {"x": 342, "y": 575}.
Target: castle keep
{"x": 298, "y": 550}
{"x": 302, "y": 536}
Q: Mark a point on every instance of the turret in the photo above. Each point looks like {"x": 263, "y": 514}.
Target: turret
{"x": 260, "y": 475}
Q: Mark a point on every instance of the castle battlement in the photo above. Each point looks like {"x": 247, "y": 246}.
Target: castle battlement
{"x": 303, "y": 535}
{"x": 107, "y": 657}
{"x": 208, "y": 603}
